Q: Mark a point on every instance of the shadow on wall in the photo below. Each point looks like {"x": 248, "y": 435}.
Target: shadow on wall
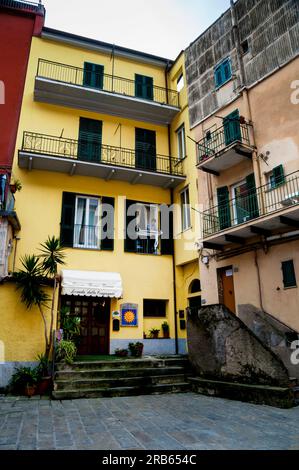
{"x": 222, "y": 347}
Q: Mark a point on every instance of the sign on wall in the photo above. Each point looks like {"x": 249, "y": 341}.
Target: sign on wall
{"x": 129, "y": 314}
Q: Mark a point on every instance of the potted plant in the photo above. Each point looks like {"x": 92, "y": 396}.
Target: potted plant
{"x": 66, "y": 351}
{"x": 144, "y": 335}
{"x": 136, "y": 349}
{"x": 24, "y": 380}
{"x": 16, "y": 186}
{"x": 154, "y": 333}
{"x": 44, "y": 375}
{"x": 121, "y": 352}
{"x": 165, "y": 329}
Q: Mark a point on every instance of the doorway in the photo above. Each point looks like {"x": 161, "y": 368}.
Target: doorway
{"x": 95, "y": 323}
{"x": 226, "y": 288}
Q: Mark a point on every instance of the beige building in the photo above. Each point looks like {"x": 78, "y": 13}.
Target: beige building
{"x": 242, "y": 78}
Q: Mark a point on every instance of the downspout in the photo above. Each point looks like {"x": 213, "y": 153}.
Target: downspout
{"x": 173, "y": 262}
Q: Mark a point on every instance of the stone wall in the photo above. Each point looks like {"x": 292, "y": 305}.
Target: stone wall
{"x": 271, "y": 29}
{"x": 221, "y": 346}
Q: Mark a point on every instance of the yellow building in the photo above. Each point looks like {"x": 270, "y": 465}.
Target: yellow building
{"x": 104, "y": 130}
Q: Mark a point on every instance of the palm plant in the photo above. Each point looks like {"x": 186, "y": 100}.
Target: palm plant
{"x": 52, "y": 256}
{"x": 30, "y": 281}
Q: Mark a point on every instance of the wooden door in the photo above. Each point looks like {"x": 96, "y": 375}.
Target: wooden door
{"x": 95, "y": 323}
{"x": 228, "y": 291}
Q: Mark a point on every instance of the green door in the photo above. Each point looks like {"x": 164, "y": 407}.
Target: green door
{"x": 145, "y": 149}
{"x": 232, "y": 128}
{"x": 93, "y": 75}
{"x": 144, "y": 87}
{"x": 245, "y": 202}
{"x": 90, "y": 140}
{"x": 223, "y": 208}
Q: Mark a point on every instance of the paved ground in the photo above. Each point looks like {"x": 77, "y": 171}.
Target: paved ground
{"x": 180, "y": 421}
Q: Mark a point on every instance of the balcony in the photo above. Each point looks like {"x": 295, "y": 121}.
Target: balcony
{"x": 264, "y": 211}
{"x": 225, "y": 147}
{"x": 63, "y": 85}
{"x": 7, "y": 203}
{"x": 87, "y": 158}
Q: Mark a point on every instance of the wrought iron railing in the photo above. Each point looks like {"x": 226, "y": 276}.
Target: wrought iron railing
{"x": 23, "y": 5}
{"x": 253, "y": 204}
{"x": 109, "y": 83}
{"x": 217, "y": 141}
{"x": 93, "y": 151}
{"x": 7, "y": 200}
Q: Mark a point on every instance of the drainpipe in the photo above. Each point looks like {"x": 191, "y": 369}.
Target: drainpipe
{"x": 173, "y": 263}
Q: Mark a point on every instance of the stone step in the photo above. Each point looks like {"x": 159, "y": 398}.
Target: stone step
{"x": 121, "y": 391}
{"x": 118, "y": 373}
{"x": 116, "y": 383}
{"x": 125, "y": 364}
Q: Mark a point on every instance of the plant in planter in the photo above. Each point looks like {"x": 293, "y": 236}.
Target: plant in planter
{"x": 16, "y": 186}
{"x": 44, "y": 374}
{"x": 154, "y": 333}
{"x": 66, "y": 351}
{"x": 165, "y": 329}
{"x": 136, "y": 349}
{"x": 70, "y": 324}
{"x": 121, "y": 352}
{"x": 24, "y": 381}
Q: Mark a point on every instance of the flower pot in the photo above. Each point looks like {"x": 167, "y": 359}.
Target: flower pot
{"x": 166, "y": 334}
{"x": 44, "y": 385}
{"x": 13, "y": 188}
{"x": 29, "y": 390}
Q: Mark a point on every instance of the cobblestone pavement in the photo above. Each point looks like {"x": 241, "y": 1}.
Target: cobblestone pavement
{"x": 169, "y": 422}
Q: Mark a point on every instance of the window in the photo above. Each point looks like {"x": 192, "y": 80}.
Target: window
{"x": 185, "y": 209}
{"x": 149, "y": 228}
{"x": 93, "y": 75}
{"x": 195, "y": 286}
{"x": 154, "y": 308}
{"x": 288, "y": 272}
{"x": 245, "y": 47}
{"x": 223, "y": 73}
{"x": 276, "y": 177}
{"x": 144, "y": 87}
{"x": 181, "y": 142}
{"x": 145, "y": 149}
{"x": 180, "y": 83}
{"x": 87, "y": 222}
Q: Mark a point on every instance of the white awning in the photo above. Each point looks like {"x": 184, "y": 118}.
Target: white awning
{"x": 91, "y": 284}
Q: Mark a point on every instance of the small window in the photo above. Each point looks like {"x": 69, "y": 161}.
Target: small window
{"x": 245, "y": 47}
{"x": 288, "y": 272}
{"x": 181, "y": 143}
{"x": 276, "y": 177}
{"x": 185, "y": 209}
{"x": 223, "y": 73}
{"x": 154, "y": 308}
{"x": 180, "y": 83}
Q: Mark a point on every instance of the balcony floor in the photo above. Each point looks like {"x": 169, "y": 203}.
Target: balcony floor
{"x": 104, "y": 102}
{"x": 34, "y": 161}
{"x": 227, "y": 158}
{"x": 268, "y": 225}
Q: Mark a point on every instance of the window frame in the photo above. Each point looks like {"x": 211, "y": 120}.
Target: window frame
{"x": 181, "y": 142}
{"x": 87, "y": 246}
{"x": 180, "y": 77}
{"x": 185, "y": 209}
{"x": 165, "y": 301}
{"x": 221, "y": 68}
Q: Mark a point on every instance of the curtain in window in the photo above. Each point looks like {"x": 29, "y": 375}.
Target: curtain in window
{"x": 80, "y": 222}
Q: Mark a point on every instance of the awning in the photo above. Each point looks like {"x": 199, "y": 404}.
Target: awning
{"x": 91, "y": 284}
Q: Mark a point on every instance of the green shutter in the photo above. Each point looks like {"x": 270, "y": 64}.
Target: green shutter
{"x": 167, "y": 247}
{"x": 223, "y": 208}
{"x": 107, "y": 235}
{"x": 93, "y": 75}
{"x": 252, "y": 202}
{"x": 278, "y": 174}
{"x": 289, "y": 276}
{"x": 130, "y": 245}
{"x": 90, "y": 140}
{"x": 232, "y": 128}
{"x": 145, "y": 149}
{"x": 144, "y": 87}
{"x": 67, "y": 219}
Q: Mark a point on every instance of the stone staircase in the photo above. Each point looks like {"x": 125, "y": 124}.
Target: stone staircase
{"x": 148, "y": 375}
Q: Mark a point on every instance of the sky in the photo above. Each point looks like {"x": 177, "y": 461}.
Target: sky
{"x": 160, "y": 27}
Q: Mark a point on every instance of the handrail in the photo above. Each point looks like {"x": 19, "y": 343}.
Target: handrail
{"x": 90, "y": 149}
{"x": 73, "y": 75}
{"x": 23, "y": 5}
{"x": 255, "y": 203}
